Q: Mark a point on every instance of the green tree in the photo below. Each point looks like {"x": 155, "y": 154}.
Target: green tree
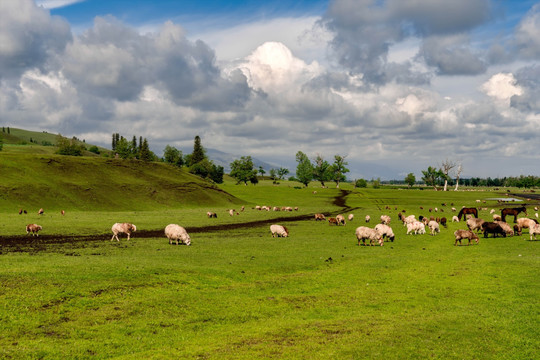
{"x": 261, "y": 171}
{"x": 376, "y": 183}
{"x": 410, "y": 179}
{"x": 431, "y": 176}
{"x": 273, "y": 174}
{"x": 173, "y": 156}
{"x": 338, "y": 169}
{"x": 203, "y": 168}
{"x": 68, "y": 147}
{"x": 198, "y": 154}
{"x": 145, "y": 154}
{"x": 304, "y": 169}
{"x": 281, "y": 172}
{"x": 321, "y": 170}
{"x": 216, "y": 174}
{"x": 360, "y": 183}
{"x": 1, "y": 144}
{"x": 123, "y": 148}
{"x": 94, "y": 149}
{"x": 242, "y": 170}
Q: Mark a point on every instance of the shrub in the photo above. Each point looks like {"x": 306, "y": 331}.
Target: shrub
{"x": 360, "y": 183}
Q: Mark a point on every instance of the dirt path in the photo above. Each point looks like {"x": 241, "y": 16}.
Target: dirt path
{"x": 26, "y": 243}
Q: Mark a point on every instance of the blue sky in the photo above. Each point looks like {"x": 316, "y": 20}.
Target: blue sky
{"x": 394, "y": 85}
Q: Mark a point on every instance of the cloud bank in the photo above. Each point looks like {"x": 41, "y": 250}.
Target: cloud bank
{"x": 403, "y": 85}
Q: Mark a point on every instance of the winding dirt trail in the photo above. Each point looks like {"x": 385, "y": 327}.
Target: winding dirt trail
{"x": 26, "y": 243}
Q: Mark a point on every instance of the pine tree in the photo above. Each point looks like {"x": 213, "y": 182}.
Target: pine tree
{"x": 198, "y": 154}
{"x": 145, "y": 154}
{"x": 113, "y": 142}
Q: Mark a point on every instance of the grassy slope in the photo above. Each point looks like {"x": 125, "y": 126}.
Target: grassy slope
{"x": 55, "y": 182}
{"x": 241, "y": 294}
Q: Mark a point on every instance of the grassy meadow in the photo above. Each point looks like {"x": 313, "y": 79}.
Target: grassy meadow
{"x": 238, "y": 293}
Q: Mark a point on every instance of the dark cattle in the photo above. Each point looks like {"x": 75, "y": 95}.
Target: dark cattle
{"x": 513, "y": 211}
{"x": 465, "y": 211}
{"x": 332, "y": 221}
{"x": 492, "y": 228}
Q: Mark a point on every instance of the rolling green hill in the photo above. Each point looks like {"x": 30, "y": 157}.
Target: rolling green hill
{"x": 32, "y": 181}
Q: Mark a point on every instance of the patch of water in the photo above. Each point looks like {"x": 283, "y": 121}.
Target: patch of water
{"x": 506, "y": 199}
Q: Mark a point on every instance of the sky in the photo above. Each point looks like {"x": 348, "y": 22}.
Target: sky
{"x": 395, "y": 86}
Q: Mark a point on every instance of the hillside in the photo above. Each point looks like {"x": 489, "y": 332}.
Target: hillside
{"x": 54, "y": 182}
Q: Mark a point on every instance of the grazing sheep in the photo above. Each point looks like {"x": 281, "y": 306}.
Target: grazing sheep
{"x": 534, "y": 230}
{"x": 497, "y": 217}
{"x": 517, "y": 230}
{"x": 296, "y": 208}
{"x": 242, "y": 208}
{"x": 455, "y": 218}
{"x": 34, "y": 229}
{"x": 211, "y": 214}
{"x": 507, "y": 229}
{"x": 279, "y": 231}
{"x": 63, "y": 212}
{"x": 176, "y": 232}
{"x": 385, "y": 231}
{"x": 492, "y": 228}
{"x": 385, "y": 219}
{"x": 492, "y": 211}
{"x": 276, "y": 208}
{"x": 350, "y": 217}
{"x": 409, "y": 219}
{"x": 454, "y": 209}
{"x": 475, "y": 224}
{"x": 258, "y": 207}
{"x": 122, "y": 228}
{"x": 536, "y": 214}
{"x": 417, "y": 227}
{"x": 332, "y": 220}
{"x": 340, "y": 220}
{"x": 465, "y": 234}
{"x": 368, "y": 218}
{"x": 443, "y": 221}
{"x": 319, "y": 217}
{"x": 41, "y": 211}
{"x": 364, "y": 233}
{"x": 434, "y": 227}
{"x": 525, "y": 223}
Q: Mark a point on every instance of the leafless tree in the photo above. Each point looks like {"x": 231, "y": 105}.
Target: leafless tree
{"x": 446, "y": 167}
{"x": 458, "y": 174}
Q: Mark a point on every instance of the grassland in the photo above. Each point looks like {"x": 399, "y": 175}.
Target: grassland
{"x": 238, "y": 293}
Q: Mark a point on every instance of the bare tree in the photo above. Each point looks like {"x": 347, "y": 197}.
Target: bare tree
{"x": 458, "y": 174}
{"x": 446, "y": 167}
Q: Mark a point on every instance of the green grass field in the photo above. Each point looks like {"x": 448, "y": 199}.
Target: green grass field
{"x": 238, "y": 293}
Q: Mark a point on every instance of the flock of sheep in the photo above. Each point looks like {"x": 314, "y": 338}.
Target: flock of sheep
{"x": 179, "y": 235}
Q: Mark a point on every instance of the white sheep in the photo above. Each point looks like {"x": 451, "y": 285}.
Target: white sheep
{"x": 364, "y": 233}
{"x": 534, "y": 230}
{"x": 368, "y": 218}
{"x": 475, "y": 223}
{"x": 385, "y": 219}
{"x": 279, "y": 231}
{"x": 417, "y": 227}
{"x": 340, "y": 219}
{"x": 350, "y": 217}
{"x": 434, "y": 227}
{"x": 525, "y": 223}
{"x": 497, "y": 217}
{"x": 507, "y": 229}
{"x": 455, "y": 218}
{"x": 385, "y": 230}
{"x": 409, "y": 219}
{"x": 122, "y": 228}
{"x": 176, "y": 232}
